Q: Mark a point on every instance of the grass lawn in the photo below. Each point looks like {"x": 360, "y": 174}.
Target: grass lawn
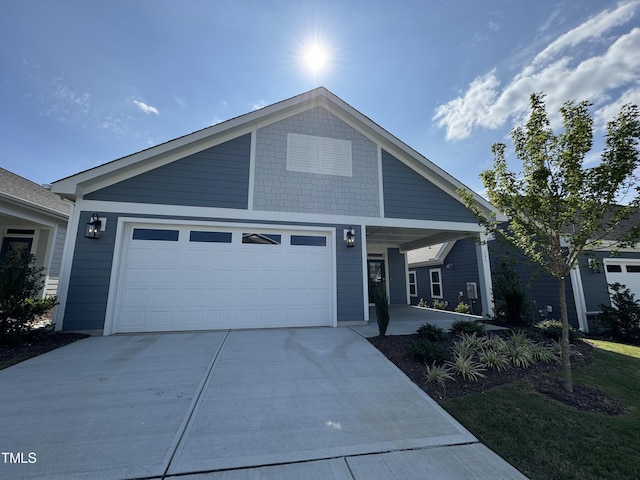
{"x": 547, "y": 440}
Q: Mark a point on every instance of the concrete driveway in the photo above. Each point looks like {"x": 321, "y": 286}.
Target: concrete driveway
{"x": 317, "y": 403}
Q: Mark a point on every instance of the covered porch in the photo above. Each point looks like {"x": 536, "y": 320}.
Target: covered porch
{"x": 385, "y": 250}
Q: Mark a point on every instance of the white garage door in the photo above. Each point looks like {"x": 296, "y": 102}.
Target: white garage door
{"x": 176, "y": 278}
{"x": 625, "y": 271}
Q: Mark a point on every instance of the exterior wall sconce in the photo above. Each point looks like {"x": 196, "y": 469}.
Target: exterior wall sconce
{"x": 349, "y": 237}
{"x": 94, "y": 227}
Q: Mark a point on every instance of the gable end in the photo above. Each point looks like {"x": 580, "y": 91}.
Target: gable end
{"x": 215, "y": 177}
{"x": 407, "y": 194}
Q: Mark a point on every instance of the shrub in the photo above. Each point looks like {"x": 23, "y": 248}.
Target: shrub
{"x": 440, "y": 304}
{"x": 544, "y": 353}
{"x": 494, "y": 358}
{"x": 553, "y": 329}
{"x": 509, "y": 296}
{"x": 382, "y": 308}
{"x": 422, "y": 303}
{"x": 468, "y": 326}
{"x": 474, "y": 340}
{"x": 622, "y": 320}
{"x": 427, "y": 352}
{"x": 439, "y": 374}
{"x": 467, "y": 367}
{"x": 431, "y": 332}
{"x": 20, "y": 283}
{"x": 463, "y": 308}
{"x": 519, "y": 354}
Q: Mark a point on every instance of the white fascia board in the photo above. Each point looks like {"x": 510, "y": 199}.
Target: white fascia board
{"x": 305, "y": 218}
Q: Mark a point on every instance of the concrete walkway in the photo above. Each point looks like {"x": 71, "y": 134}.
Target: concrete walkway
{"x": 405, "y": 320}
{"x": 313, "y": 403}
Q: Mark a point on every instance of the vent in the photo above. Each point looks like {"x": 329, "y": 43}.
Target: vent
{"x": 327, "y": 156}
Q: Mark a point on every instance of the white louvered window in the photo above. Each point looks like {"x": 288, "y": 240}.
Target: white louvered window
{"x": 329, "y": 156}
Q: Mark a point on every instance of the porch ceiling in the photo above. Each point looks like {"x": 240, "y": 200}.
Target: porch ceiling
{"x": 409, "y": 238}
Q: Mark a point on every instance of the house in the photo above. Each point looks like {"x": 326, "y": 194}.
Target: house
{"x": 32, "y": 217}
{"x": 448, "y": 273}
{"x": 437, "y": 276}
{"x": 287, "y": 216}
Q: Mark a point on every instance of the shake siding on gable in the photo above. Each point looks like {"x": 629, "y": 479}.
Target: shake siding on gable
{"x": 215, "y": 177}
{"x": 409, "y": 195}
{"x": 281, "y": 190}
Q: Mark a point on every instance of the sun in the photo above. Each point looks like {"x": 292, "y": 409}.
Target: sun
{"x": 316, "y": 57}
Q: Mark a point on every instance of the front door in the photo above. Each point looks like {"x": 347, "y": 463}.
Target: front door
{"x": 375, "y": 269}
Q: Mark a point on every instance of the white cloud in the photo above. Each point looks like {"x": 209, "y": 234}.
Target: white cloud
{"x": 591, "y": 30}
{"x": 258, "y": 105}
{"x": 461, "y": 115}
{"x": 558, "y": 71}
{"x": 146, "y": 108}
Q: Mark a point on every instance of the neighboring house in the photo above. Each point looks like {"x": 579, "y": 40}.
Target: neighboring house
{"x": 586, "y": 289}
{"x": 286, "y": 216}
{"x": 448, "y": 273}
{"x": 32, "y": 217}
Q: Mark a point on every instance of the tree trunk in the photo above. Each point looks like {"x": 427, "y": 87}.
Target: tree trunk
{"x": 567, "y": 381}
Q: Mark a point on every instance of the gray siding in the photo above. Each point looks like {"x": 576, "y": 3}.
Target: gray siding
{"x": 409, "y": 195}
{"x": 56, "y": 261}
{"x": 215, "y": 177}
{"x": 463, "y": 263}
{"x": 349, "y": 278}
{"x": 397, "y": 277}
{"x": 89, "y": 279}
{"x": 91, "y": 271}
{"x": 540, "y": 287}
{"x": 463, "y": 268}
{"x": 277, "y": 189}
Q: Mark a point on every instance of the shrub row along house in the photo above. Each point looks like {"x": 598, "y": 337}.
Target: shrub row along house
{"x": 285, "y": 216}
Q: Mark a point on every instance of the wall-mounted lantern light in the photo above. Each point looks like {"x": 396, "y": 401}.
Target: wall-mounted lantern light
{"x": 94, "y": 227}
{"x": 349, "y": 237}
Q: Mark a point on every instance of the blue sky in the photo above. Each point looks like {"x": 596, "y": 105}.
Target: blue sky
{"x": 86, "y": 82}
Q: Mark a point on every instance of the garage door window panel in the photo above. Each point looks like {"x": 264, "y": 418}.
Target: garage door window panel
{"x": 309, "y": 240}
{"x": 210, "y": 237}
{"x": 261, "y": 238}
{"x": 155, "y": 234}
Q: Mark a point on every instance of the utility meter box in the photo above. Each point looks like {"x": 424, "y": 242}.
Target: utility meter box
{"x": 472, "y": 290}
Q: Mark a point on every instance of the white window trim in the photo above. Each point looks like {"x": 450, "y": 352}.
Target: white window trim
{"x": 432, "y": 283}
{"x": 414, "y": 283}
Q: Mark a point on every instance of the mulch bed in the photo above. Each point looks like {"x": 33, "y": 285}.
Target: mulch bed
{"x": 396, "y": 347}
{"x": 13, "y": 351}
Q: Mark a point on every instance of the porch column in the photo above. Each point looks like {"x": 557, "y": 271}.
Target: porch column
{"x": 484, "y": 271}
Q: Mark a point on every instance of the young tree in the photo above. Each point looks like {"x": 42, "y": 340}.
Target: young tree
{"x": 558, "y": 206}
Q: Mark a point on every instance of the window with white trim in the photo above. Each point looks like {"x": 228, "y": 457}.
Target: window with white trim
{"x": 328, "y": 156}
{"x": 435, "y": 278}
{"x": 413, "y": 283}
